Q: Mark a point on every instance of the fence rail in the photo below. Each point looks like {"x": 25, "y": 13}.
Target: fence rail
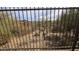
{"x": 42, "y": 8}
{"x": 39, "y": 28}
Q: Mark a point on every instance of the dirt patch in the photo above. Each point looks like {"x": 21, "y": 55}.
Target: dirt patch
{"x": 26, "y": 41}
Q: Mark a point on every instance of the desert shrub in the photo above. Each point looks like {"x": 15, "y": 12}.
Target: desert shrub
{"x": 3, "y": 39}
{"x": 15, "y": 32}
{"x": 58, "y": 40}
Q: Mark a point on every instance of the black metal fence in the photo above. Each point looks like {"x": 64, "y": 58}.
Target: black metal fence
{"x": 39, "y": 28}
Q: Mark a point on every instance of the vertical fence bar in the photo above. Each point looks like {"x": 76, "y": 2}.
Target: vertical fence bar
{"x": 43, "y": 26}
{"x": 19, "y": 26}
{"x": 25, "y": 23}
{"x": 39, "y": 27}
{"x": 65, "y": 33}
{"x": 62, "y": 27}
{"x": 46, "y": 22}
{"x": 61, "y": 24}
{"x": 20, "y": 38}
{"x": 23, "y": 30}
{"x": 64, "y": 18}
{"x": 35, "y": 27}
{"x": 15, "y": 27}
{"x": 50, "y": 20}
{"x": 70, "y": 21}
{"x": 27, "y": 27}
{"x": 67, "y": 29}
{"x": 10, "y": 43}
{"x": 29, "y": 45}
{"x": 56, "y": 28}
{"x": 16, "y": 34}
{"x": 13, "y": 42}
{"x": 32, "y": 28}
{"x": 72, "y": 25}
{"x": 58, "y": 24}
{"x": 66, "y": 25}
{"x": 74, "y": 22}
{"x": 1, "y": 35}
{"x": 54, "y": 24}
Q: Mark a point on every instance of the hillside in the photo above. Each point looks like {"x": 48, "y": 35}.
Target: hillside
{"x": 10, "y": 28}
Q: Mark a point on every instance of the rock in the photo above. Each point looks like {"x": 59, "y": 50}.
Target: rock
{"x": 3, "y": 41}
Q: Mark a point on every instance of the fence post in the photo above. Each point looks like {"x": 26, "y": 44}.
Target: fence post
{"x": 75, "y": 41}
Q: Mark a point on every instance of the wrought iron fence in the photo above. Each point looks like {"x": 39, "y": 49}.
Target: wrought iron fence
{"x": 39, "y": 28}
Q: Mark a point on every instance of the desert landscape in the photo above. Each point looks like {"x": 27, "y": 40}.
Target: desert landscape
{"x": 60, "y": 33}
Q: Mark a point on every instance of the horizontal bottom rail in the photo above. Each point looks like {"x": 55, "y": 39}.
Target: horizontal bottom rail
{"x": 37, "y": 49}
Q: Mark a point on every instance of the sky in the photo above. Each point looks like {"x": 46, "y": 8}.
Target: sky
{"x": 37, "y": 15}
{"x": 38, "y": 3}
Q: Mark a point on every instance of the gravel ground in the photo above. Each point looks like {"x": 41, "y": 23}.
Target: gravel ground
{"x": 26, "y": 41}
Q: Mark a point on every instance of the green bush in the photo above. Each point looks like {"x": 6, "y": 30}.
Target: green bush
{"x": 3, "y": 39}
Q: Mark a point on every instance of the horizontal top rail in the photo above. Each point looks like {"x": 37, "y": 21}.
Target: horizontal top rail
{"x": 18, "y": 9}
